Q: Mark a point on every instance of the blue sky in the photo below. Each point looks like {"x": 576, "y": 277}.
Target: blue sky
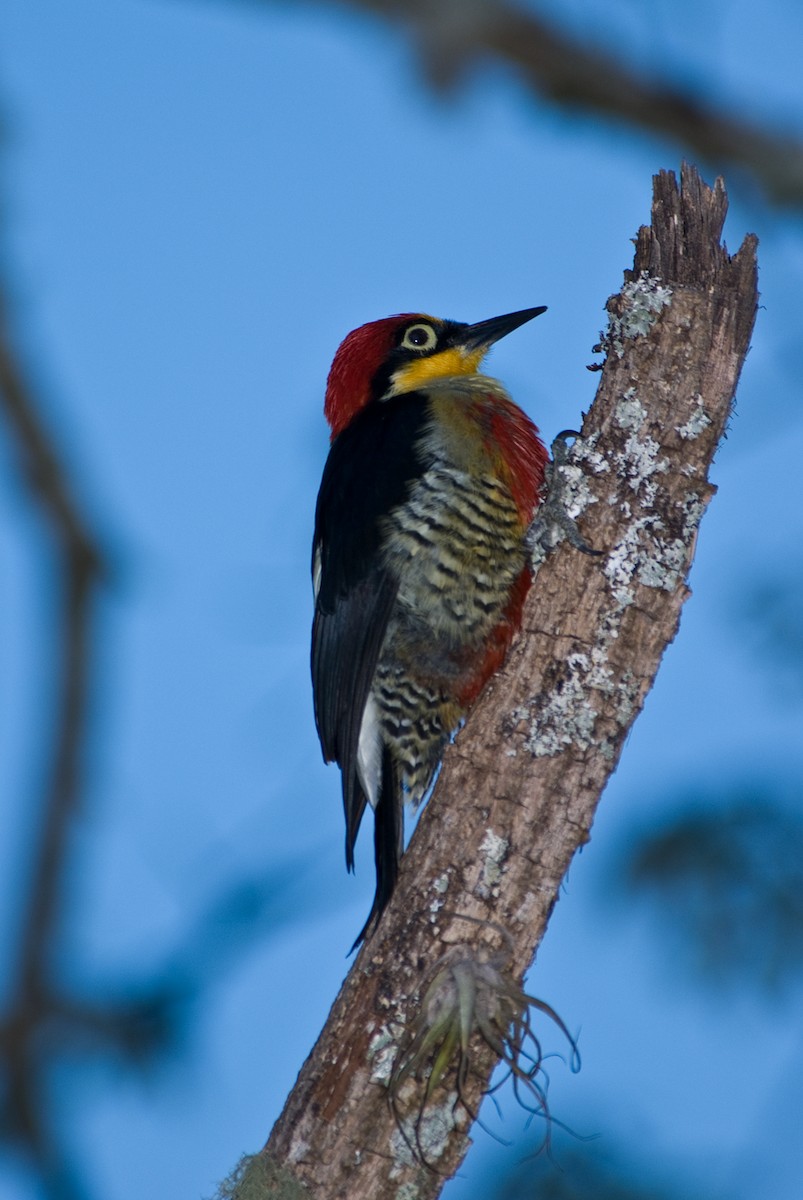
{"x": 199, "y": 202}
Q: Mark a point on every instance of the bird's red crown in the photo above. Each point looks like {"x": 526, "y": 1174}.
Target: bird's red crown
{"x": 359, "y": 357}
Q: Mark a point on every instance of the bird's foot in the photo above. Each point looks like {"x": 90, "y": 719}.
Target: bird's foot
{"x": 553, "y": 522}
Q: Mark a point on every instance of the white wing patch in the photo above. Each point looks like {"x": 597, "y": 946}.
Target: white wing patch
{"x": 317, "y": 567}
{"x": 369, "y": 752}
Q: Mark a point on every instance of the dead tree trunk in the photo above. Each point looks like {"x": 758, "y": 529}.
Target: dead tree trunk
{"x": 521, "y": 783}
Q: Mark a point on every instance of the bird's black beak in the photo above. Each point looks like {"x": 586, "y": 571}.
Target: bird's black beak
{"x": 485, "y": 333}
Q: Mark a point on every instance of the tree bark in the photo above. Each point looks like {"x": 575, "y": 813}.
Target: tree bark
{"x": 520, "y": 785}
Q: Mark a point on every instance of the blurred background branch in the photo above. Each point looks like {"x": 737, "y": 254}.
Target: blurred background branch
{"x": 80, "y": 562}
{"x": 43, "y": 1021}
{"x": 457, "y": 37}
{"x": 724, "y": 878}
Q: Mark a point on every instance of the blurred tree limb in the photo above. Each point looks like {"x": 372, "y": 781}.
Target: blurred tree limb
{"x": 80, "y": 562}
{"x": 725, "y": 877}
{"x": 456, "y": 36}
{"x": 519, "y": 787}
{"x": 42, "y": 1019}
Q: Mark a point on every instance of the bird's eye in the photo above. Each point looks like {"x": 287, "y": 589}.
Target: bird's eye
{"x": 419, "y": 337}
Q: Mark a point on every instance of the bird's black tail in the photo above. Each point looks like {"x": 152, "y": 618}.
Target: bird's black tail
{"x": 388, "y": 842}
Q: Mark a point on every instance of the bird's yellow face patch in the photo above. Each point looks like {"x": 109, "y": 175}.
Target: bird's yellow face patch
{"x": 443, "y": 365}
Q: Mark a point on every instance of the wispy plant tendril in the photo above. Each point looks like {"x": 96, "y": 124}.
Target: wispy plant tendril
{"x": 469, "y": 997}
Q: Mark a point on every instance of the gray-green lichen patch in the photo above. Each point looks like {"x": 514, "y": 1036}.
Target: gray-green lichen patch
{"x": 697, "y": 422}
{"x": 641, "y": 302}
{"x": 493, "y": 851}
{"x": 567, "y": 714}
{"x": 382, "y": 1050}
{"x": 637, "y": 462}
{"x": 664, "y": 568}
{"x": 627, "y": 699}
{"x": 692, "y": 507}
{"x": 646, "y": 554}
{"x": 584, "y": 459}
{"x": 562, "y": 717}
{"x": 440, "y": 886}
{"x": 408, "y": 1191}
{"x": 584, "y": 453}
{"x": 424, "y": 1138}
{"x": 630, "y": 413}
{"x": 622, "y": 563}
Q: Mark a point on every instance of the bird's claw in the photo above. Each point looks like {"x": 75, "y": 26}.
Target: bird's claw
{"x": 552, "y": 523}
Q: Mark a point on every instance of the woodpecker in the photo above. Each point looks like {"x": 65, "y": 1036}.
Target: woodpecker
{"x": 420, "y": 567}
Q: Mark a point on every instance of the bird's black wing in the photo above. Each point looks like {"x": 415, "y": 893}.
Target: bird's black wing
{"x": 368, "y": 473}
